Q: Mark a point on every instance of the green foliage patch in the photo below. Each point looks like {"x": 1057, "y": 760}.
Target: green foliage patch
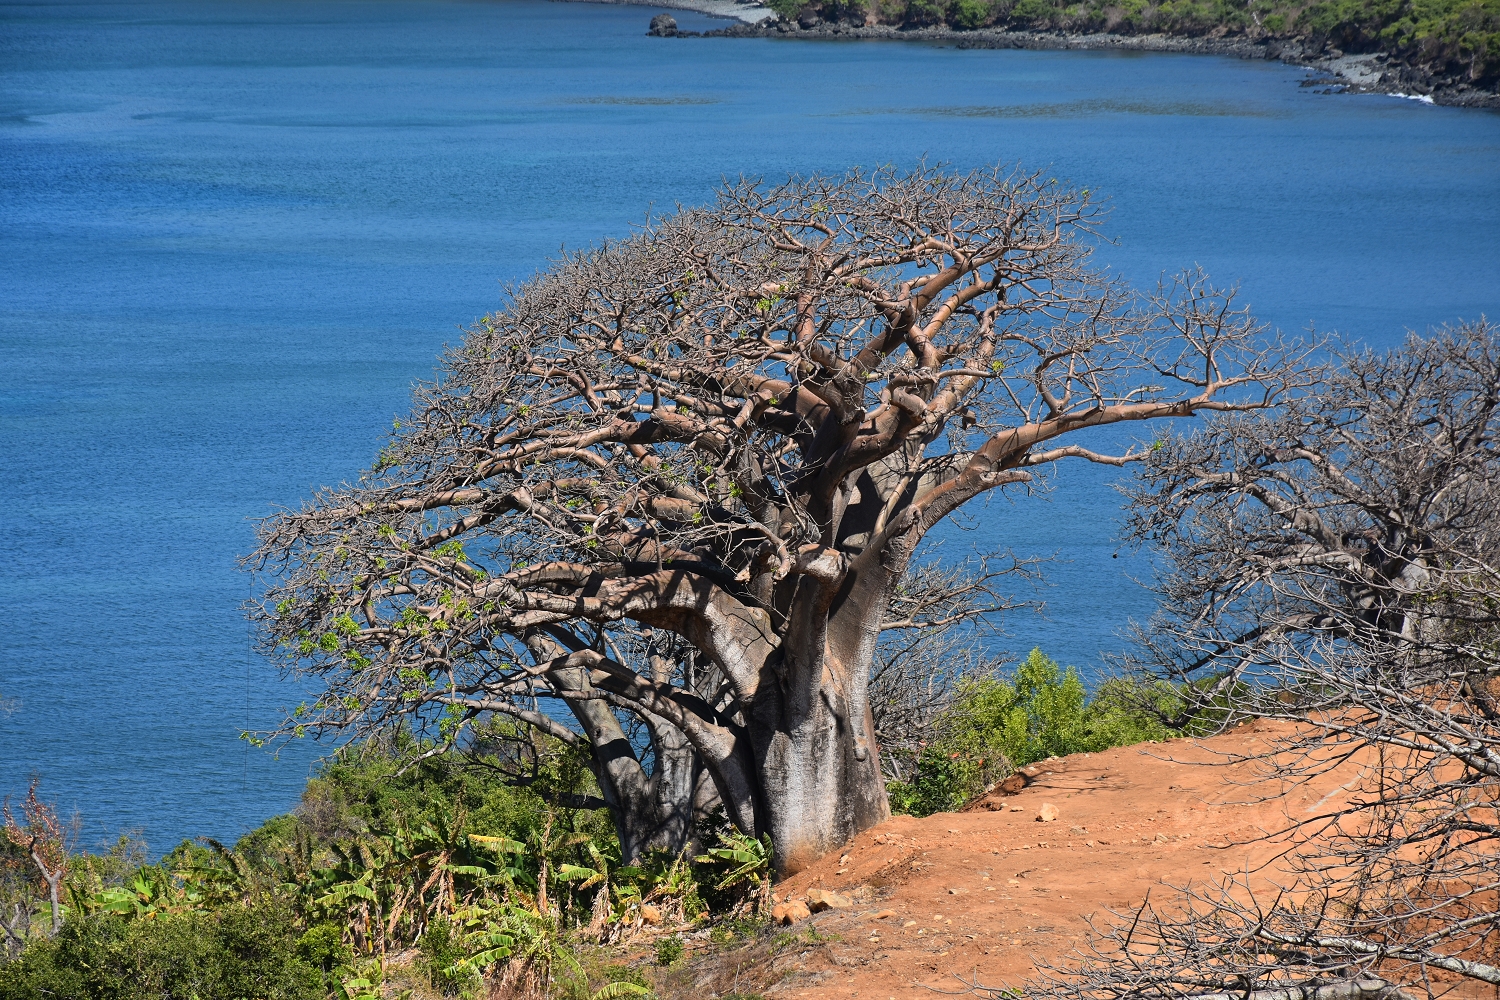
{"x": 669, "y": 950}
{"x": 234, "y": 952}
{"x": 391, "y": 847}
{"x": 1452, "y": 38}
{"x": 996, "y": 725}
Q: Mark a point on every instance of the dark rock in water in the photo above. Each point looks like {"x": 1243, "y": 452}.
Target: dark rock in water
{"x": 808, "y": 19}
{"x": 663, "y": 26}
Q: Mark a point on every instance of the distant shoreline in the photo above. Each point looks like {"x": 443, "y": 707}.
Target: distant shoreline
{"x": 745, "y": 11}
{"x": 1373, "y": 73}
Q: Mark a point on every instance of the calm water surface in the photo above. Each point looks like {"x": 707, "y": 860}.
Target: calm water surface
{"x": 232, "y": 234}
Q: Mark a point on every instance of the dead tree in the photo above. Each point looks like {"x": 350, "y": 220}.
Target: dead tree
{"x": 44, "y": 839}
{"x": 735, "y": 426}
{"x": 1335, "y": 565}
{"x": 1208, "y": 944}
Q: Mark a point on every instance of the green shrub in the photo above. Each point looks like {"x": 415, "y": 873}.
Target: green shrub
{"x": 668, "y": 950}
{"x": 234, "y": 953}
{"x": 996, "y": 725}
{"x": 924, "y": 13}
{"x": 1033, "y": 12}
{"x": 844, "y": 10}
{"x": 625, "y": 974}
{"x": 322, "y": 946}
{"x": 262, "y": 844}
{"x": 969, "y": 15}
{"x": 442, "y": 949}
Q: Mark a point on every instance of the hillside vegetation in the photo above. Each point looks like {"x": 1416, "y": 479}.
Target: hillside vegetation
{"x": 490, "y": 870}
{"x": 1450, "y": 39}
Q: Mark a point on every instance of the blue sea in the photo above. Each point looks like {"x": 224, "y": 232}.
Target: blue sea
{"x": 232, "y": 234}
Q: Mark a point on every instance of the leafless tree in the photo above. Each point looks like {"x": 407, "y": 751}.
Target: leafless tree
{"x": 17, "y": 895}
{"x": 1335, "y": 565}
{"x": 734, "y": 427}
{"x": 44, "y": 838}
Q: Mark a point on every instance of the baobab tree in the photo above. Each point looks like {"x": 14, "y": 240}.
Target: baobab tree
{"x": 1337, "y": 566}
{"x": 653, "y": 781}
{"x": 734, "y": 428}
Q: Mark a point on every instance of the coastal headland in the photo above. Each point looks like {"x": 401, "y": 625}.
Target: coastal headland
{"x": 1333, "y": 70}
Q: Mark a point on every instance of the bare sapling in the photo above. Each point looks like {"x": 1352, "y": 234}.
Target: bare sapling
{"x": 44, "y": 838}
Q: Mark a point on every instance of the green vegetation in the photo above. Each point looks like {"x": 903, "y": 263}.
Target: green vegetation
{"x": 235, "y": 951}
{"x": 668, "y": 950}
{"x": 470, "y": 861}
{"x": 447, "y": 856}
{"x": 1456, "y": 39}
{"x": 996, "y": 725}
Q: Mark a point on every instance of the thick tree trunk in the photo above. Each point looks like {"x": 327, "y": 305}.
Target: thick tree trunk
{"x": 822, "y": 773}
{"x": 811, "y": 723}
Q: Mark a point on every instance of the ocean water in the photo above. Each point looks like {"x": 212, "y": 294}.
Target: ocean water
{"x": 232, "y": 234}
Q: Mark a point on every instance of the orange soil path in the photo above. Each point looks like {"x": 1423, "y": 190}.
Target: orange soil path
{"x": 986, "y": 891}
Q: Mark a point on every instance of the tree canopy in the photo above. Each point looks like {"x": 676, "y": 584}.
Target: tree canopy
{"x": 676, "y": 476}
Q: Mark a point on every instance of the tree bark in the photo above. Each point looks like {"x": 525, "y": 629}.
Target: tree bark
{"x": 53, "y": 878}
{"x": 811, "y": 723}
{"x": 650, "y": 812}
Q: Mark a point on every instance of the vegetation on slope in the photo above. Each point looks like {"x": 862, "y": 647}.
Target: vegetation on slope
{"x": 447, "y": 856}
{"x": 1457, "y": 40}
{"x": 470, "y": 860}
{"x": 997, "y": 724}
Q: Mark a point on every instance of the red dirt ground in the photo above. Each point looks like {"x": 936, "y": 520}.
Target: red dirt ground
{"x": 984, "y": 892}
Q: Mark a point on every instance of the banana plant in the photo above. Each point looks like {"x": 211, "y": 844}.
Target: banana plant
{"x": 226, "y": 876}
{"x": 431, "y": 870}
{"x": 357, "y": 988}
{"x": 351, "y": 891}
{"x": 601, "y": 912}
{"x": 531, "y": 943}
{"x": 486, "y": 933}
{"x": 151, "y": 893}
{"x": 545, "y": 846}
{"x": 361, "y": 982}
{"x": 503, "y": 846}
{"x": 744, "y": 861}
{"x": 664, "y": 881}
{"x": 587, "y": 877}
{"x": 614, "y": 991}
{"x": 745, "y": 857}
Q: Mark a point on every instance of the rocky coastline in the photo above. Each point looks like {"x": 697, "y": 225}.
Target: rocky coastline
{"x": 1333, "y": 71}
